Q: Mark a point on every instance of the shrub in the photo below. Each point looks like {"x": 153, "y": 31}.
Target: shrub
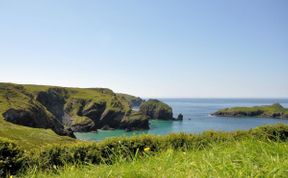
{"x": 111, "y": 150}
{"x": 12, "y": 158}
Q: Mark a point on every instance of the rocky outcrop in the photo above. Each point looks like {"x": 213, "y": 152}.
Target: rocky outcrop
{"x": 68, "y": 110}
{"x": 156, "y": 109}
{"x": 135, "y": 121}
{"x": 272, "y": 111}
{"x": 36, "y": 117}
{"x": 53, "y": 100}
{"x": 179, "y": 118}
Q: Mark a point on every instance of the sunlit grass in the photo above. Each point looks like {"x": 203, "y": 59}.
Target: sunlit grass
{"x": 246, "y": 158}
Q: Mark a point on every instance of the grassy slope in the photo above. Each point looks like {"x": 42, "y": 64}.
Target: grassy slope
{"x": 246, "y": 158}
{"x": 25, "y": 136}
{"x": 31, "y": 137}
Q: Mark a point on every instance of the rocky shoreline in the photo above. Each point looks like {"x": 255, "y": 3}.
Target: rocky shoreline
{"x": 68, "y": 110}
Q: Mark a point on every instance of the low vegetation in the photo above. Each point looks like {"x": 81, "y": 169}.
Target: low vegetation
{"x": 246, "y": 158}
{"x": 110, "y": 151}
{"x": 270, "y": 111}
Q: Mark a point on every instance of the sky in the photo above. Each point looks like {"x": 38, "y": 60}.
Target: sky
{"x": 151, "y": 48}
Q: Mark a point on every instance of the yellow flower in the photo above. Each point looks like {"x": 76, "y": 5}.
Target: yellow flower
{"x": 147, "y": 149}
{"x": 11, "y": 177}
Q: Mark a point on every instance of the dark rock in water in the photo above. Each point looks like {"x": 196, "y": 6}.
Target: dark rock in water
{"x": 179, "y": 118}
{"x": 156, "y": 109}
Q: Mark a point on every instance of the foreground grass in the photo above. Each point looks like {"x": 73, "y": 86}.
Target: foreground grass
{"x": 246, "y": 158}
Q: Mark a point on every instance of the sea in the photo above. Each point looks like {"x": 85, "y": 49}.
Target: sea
{"x": 197, "y": 118}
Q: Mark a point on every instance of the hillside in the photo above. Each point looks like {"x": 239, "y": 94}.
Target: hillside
{"x": 272, "y": 111}
{"x": 64, "y": 110}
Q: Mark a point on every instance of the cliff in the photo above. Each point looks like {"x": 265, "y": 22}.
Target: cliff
{"x": 156, "y": 109}
{"x": 65, "y": 110}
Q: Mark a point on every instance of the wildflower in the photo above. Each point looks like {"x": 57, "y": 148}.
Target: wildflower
{"x": 147, "y": 149}
{"x": 11, "y": 177}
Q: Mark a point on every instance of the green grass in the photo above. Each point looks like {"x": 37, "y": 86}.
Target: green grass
{"x": 124, "y": 151}
{"x": 19, "y": 97}
{"x": 246, "y": 158}
{"x": 31, "y": 138}
{"x": 261, "y": 111}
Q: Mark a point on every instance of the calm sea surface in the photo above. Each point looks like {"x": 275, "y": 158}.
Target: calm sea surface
{"x": 197, "y": 118}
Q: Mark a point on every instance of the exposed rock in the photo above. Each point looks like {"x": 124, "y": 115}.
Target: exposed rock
{"x": 65, "y": 110}
{"x": 135, "y": 121}
{"x": 34, "y": 117}
{"x": 179, "y": 118}
{"x": 53, "y": 101}
{"x": 94, "y": 110}
{"x": 156, "y": 109}
{"x": 84, "y": 124}
{"x": 111, "y": 118}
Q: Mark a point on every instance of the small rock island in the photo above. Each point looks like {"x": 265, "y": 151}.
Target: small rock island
{"x": 270, "y": 111}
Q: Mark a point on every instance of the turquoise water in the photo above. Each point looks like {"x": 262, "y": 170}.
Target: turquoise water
{"x": 197, "y": 118}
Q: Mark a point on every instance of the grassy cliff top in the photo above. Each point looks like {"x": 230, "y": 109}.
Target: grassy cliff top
{"x": 23, "y": 97}
{"x": 158, "y": 104}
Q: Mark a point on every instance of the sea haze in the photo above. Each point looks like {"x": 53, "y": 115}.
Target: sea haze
{"x": 197, "y": 118}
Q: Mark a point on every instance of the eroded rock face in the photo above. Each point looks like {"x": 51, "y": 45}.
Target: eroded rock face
{"x": 94, "y": 111}
{"x": 156, "y": 109}
{"x": 135, "y": 121}
{"x": 53, "y": 101}
{"x": 36, "y": 117}
{"x": 33, "y": 118}
{"x": 110, "y": 118}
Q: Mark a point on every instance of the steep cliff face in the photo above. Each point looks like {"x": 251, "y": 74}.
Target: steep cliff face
{"x": 156, "y": 109}
{"x": 66, "y": 109}
{"x": 21, "y": 107}
{"x": 135, "y": 121}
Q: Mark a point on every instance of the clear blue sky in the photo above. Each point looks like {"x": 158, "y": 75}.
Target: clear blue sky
{"x": 151, "y": 48}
